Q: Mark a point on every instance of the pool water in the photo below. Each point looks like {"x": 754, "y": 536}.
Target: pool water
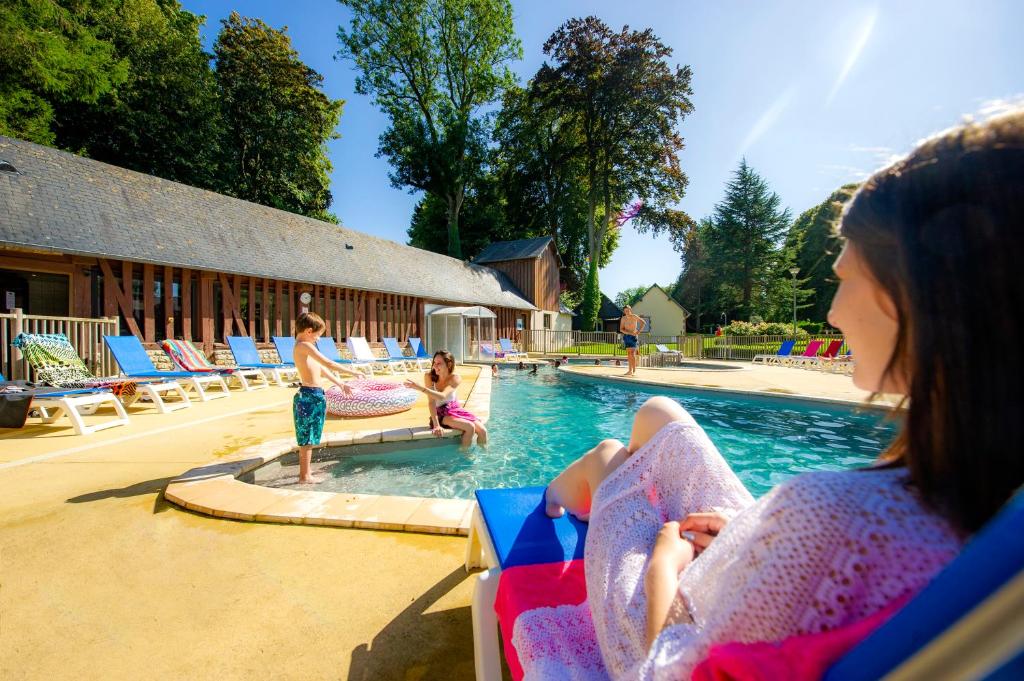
{"x": 539, "y": 423}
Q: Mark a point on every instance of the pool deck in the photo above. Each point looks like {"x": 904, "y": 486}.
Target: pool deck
{"x": 104, "y": 578}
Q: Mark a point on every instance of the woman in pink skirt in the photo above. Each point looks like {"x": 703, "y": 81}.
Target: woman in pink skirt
{"x": 440, "y": 384}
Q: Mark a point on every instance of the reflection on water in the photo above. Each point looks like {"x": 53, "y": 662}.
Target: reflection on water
{"x": 539, "y": 423}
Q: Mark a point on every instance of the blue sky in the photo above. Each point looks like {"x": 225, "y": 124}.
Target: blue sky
{"x": 814, "y": 94}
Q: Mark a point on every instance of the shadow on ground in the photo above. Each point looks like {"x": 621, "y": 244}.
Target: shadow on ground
{"x": 421, "y": 645}
{"x": 155, "y": 486}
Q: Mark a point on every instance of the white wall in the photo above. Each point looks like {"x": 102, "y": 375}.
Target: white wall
{"x": 667, "y": 318}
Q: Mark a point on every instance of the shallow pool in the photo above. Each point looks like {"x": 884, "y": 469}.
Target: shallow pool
{"x": 541, "y": 422}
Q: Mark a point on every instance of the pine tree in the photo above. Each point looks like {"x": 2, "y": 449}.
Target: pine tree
{"x": 742, "y": 241}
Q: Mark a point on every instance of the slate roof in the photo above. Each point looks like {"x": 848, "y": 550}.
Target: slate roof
{"x": 513, "y": 250}
{"x": 69, "y": 204}
{"x": 608, "y": 311}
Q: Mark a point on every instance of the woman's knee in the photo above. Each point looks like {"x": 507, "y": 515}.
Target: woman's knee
{"x": 653, "y": 415}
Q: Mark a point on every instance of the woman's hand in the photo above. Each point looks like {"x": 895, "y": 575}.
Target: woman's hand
{"x": 703, "y": 527}
{"x": 672, "y": 552}
{"x": 437, "y": 430}
{"x": 409, "y": 383}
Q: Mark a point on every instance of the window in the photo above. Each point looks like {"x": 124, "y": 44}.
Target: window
{"x": 547, "y": 320}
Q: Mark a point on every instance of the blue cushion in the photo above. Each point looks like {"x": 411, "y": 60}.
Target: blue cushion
{"x": 328, "y": 348}
{"x": 523, "y": 534}
{"x": 130, "y": 355}
{"x": 993, "y": 557}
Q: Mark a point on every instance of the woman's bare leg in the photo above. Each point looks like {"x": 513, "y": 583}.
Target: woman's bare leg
{"x": 481, "y": 433}
{"x": 461, "y": 424}
{"x": 574, "y": 487}
{"x": 652, "y": 416}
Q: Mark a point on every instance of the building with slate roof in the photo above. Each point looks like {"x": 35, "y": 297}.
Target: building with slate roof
{"x": 608, "y": 316}
{"x": 533, "y": 265}
{"x": 83, "y": 238}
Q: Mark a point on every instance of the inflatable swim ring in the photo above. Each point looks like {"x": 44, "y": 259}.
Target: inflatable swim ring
{"x": 369, "y": 398}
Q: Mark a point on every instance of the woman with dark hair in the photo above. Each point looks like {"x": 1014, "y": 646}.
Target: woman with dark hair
{"x": 932, "y": 244}
{"x": 440, "y": 384}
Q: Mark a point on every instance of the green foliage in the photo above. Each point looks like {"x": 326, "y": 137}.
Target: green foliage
{"x": 812, "y": 328}
{"x": 277, "y": 120}
{"x": 630, "y": 296}
{"x": 163, "y": 119}
{"x": 52, "y": 55}
{"x": 739, "y": 328}
{"x": 591, "y": 299}
{"x": 620, "y": 104}
{"x": 742, "y": 240}
{"x": 431, "y": 65}
{"x": 814, "y": 245}
{"x": 482, "y": 220}
{"x": 570, "y": 299}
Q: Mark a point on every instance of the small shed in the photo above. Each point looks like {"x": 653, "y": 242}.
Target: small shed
{"x": 469, "y": 333}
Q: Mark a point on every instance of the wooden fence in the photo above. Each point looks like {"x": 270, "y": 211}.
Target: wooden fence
{"x": 86, "y": 336}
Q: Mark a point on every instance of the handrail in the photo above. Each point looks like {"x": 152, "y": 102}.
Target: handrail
{"x": 85, "y": 334}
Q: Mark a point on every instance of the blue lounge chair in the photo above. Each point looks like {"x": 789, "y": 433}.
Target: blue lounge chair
{"x": 52, "y": 403}
{"x": 419, "y": 352}
{"x": 329, "y": 349}
{"x": 968, "y": 622}
{"x": 395, "y": 354}
{"x": 246, "y": 356}
{"x": 784, "y": 351}
{"x": 135, "y": 363}
{"x": 509, "y": 351}
{"x": 285, "y": 346}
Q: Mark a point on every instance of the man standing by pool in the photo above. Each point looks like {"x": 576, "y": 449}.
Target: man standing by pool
{"x": 630, "y": 327}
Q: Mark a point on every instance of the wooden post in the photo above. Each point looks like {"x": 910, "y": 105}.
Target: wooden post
{"x": 421, "y": 321}
{"x": 278, "y": 307}
{"x": 119, "y": 297}
{"x": 149, "y": 321}
{"x": 349, "y": 312}
{"x": 252, "y": 307}
{"x": 206, "y": 310}
{"x": 186, "y": 304}
{"x": 265, "y": 310}
{"x": 109, "y": 288}
{"x": 169, "y": 302}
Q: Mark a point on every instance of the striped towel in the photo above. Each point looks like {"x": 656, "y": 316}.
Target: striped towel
{"x": 189, "y": 358}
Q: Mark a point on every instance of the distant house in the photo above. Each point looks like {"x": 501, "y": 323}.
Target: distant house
{"x": 664, "y": 316}
{"x": 608, "y": 315}
{"x": 533, "y": 266}
{"x": 81, "y": 238}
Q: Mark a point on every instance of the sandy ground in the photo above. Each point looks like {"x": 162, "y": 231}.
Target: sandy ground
{"x": 101, "y": 578}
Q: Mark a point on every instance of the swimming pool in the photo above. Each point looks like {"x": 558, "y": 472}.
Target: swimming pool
{"x": 539, "y": 423}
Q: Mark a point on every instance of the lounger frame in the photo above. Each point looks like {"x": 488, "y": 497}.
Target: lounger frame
{"x": 52, "y": 407}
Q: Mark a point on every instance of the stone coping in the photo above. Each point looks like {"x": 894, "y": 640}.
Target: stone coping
{"x": 580, "y": 373}
{"x": 214, "y": 489}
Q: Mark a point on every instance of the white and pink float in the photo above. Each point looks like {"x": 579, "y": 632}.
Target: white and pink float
{"x": 369, "y": 398}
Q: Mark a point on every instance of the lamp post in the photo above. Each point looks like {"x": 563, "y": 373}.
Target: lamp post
{"x": 793, "y": 271}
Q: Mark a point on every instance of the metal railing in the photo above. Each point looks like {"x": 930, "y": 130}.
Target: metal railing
{"x": 747, "y": 347}
{"x": 86, "y": 336}
{"x": 601, "y": 343}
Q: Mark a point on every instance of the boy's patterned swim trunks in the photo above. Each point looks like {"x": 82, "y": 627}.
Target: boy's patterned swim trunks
{"x": 309, "y": 407}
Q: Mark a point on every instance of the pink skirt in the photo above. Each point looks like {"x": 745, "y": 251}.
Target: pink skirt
{"x": 454, "y": 410}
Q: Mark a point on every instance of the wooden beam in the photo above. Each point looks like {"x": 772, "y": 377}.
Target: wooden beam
{"x": 229, "y": 304}
{"x": 265, "y": 310}
{"x": 372, "y": 305}
{"x": 292, "y": 302}
{"x": 252, "y": 307}
{"x": 348, "y": 314}
{"x": 206, "y": 311}
{"x": 278, "y": 307}
{"x": 168, "y": 291}
{"x": 186, "y": 304}
{"x": 337, "y": 312}
{"x": 148, "y": 302}
{"x": 115, "y": 297}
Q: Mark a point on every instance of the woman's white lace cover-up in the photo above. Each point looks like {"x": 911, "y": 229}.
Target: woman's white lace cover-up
{"x": 820, "y": 551}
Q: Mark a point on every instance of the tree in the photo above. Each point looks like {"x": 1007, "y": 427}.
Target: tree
{"x": 541, "y": 179}
{"x": 277, "y": 120}
{"x": 431, "y": 65}
{"x": 742, "y": 242}
{"x": 482, "y": 220}
{"x": 51, "y": 55}
{"x": 691, "y": 289}
{"x": 814, "y": 244}
{"x": 630, "y": 296}
{"x": 626, "y": 101}
{"x": 163, "y": 119}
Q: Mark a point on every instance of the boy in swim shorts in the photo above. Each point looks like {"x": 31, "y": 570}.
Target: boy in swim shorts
{"x": 309, "y": 406}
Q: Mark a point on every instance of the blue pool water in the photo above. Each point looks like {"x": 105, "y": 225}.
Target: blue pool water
{"x": 539, "y": 423}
